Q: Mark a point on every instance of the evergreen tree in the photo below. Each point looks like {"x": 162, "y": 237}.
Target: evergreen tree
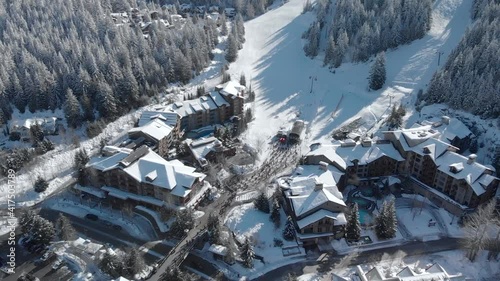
{"x": 247, "y": 253}
{"x": 133, "y": 264}
{"x": 65, "y": 230}
{"x": 353, "y": 227}
{"x": 278, "y": 195}
{"x": 41, "y": 185}
{"x": 26, "y": 221}
{"x": 81, "y": 159}
{"x": 223, "y": 25}
{"x": 184, "y": 220}
{"x": 213, "y": 228}
{"x": 289, "y": 231}
{"x": 262, "y": 204}
{"x": 377, "y": 72}
{"x": 111, "y": 264}
{"x": 42, "y": 231}
{"x": 243, "y": 80}
{"x": 36, "y": 134}
{"x": 72, "y": 110}
{"x": 275, "y": 214}
{"x": 231, "y": 49}
{"x": 329, "y": 52}
{"x": 312, "y": 35}
{"x": 386, "y": 221}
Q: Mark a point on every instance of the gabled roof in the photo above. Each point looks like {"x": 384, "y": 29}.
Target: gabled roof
{"x": 231, "y": 88}
{"x": 406, "y": 272}
{"x": 305, "y": 203}
{"x": 345, "y": 155}
{"x": 151, "y": 168}
{"x": 156, "y": 129}
{"x": 188, "y": 107}
{"x": 468, "y": 172}
{"x": 169, "y": 117}
{"x": 339, "y": 218}
{"x": 374, "y": 274}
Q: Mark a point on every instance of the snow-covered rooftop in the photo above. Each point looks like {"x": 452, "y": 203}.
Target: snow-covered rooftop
{"x": 201, "y": 147}
{"x": 156, "y": 129}
{"x": 339, "y": 218}
{"x": 150, "y": 168}
{"x": 169, "y": 117}
{"x": 231, "y": 88}
{"x": 218, "y": 249}
{"x": 344, "y": 155}
{"x": 204, "y": 103}
{"x": 449, "y": 128}
{"x": 458, "y": 167}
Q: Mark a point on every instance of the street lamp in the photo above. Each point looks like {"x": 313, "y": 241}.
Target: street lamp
{"x": 313, "y": 78}
{"x": 439, "y": 56}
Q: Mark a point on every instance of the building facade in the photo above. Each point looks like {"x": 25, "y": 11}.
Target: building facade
{"x": 142, "y": 177}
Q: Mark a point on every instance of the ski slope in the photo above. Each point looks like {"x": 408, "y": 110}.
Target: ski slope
{"x": 273, "y": 61}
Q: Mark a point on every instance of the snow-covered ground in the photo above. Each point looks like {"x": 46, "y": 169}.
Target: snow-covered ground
{"x": 274, "y": 63}
{"x": 80, "y": 210}
{"x": 246, "y": 221}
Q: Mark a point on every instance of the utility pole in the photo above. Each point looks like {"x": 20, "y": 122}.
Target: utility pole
{"x": 313, "y": 78}
{"x": 439, "y": 56}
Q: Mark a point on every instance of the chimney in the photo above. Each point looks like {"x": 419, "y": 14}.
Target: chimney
{"x": 323, "y": 166}
{"x": 472, "y": 159}
{"x": 366, "y": 142}
{"x": 445, "y": 120}
{"x": 318, "y": 185}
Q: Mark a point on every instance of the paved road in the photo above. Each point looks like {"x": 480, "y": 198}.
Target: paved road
{"x": 178, "y": 251}
{"x": 328, "y": 263}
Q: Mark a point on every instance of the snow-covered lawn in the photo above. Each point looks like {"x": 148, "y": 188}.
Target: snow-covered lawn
{"x": 246, "y": 221}
{"x": 417, "y": 222}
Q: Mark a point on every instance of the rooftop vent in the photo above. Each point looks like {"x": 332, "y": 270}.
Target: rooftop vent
{"x": 471, "y": 159}
{"x": 456, "y": 168}
{"x": 323, "y": 166}
{"x": 150, "y": 177}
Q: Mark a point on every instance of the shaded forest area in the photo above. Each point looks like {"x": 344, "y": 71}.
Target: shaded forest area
{"x": 358, "y": 29}
{"x": 56, "y": 49}
{"x": 470, "y": 79}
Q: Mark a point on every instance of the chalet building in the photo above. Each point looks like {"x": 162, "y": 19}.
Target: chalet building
{"x": 234, "y": 94}
{"x": 357, "y": 160}
{"x": 208, "y": 149}
{"x": 155, "y": 132}
{"x": 22, "y": 127}
{"x": 438, "y": 172}
{"x": 315, "y": 205}
{"x": 201, "y": 112}
{"x": 214, "y": 107}
{"x": 142, "y": 177}
{"x": 169, "y": 118}
{"x": 451, "y": 130}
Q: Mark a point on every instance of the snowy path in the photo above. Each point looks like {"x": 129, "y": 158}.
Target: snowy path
{"x": 273, "y": 60}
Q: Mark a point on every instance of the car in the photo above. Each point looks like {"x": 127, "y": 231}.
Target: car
{"x": 46, "y": 256}
{"x": 117, "y": 227}
{"x": 57, "y": 264}
{"x": 91, "y": 217}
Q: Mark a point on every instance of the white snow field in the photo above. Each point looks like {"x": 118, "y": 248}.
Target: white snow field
{"x": 273, "y": 61}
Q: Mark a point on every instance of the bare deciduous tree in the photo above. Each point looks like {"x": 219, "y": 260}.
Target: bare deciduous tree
{"x": 480, "y": 229}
